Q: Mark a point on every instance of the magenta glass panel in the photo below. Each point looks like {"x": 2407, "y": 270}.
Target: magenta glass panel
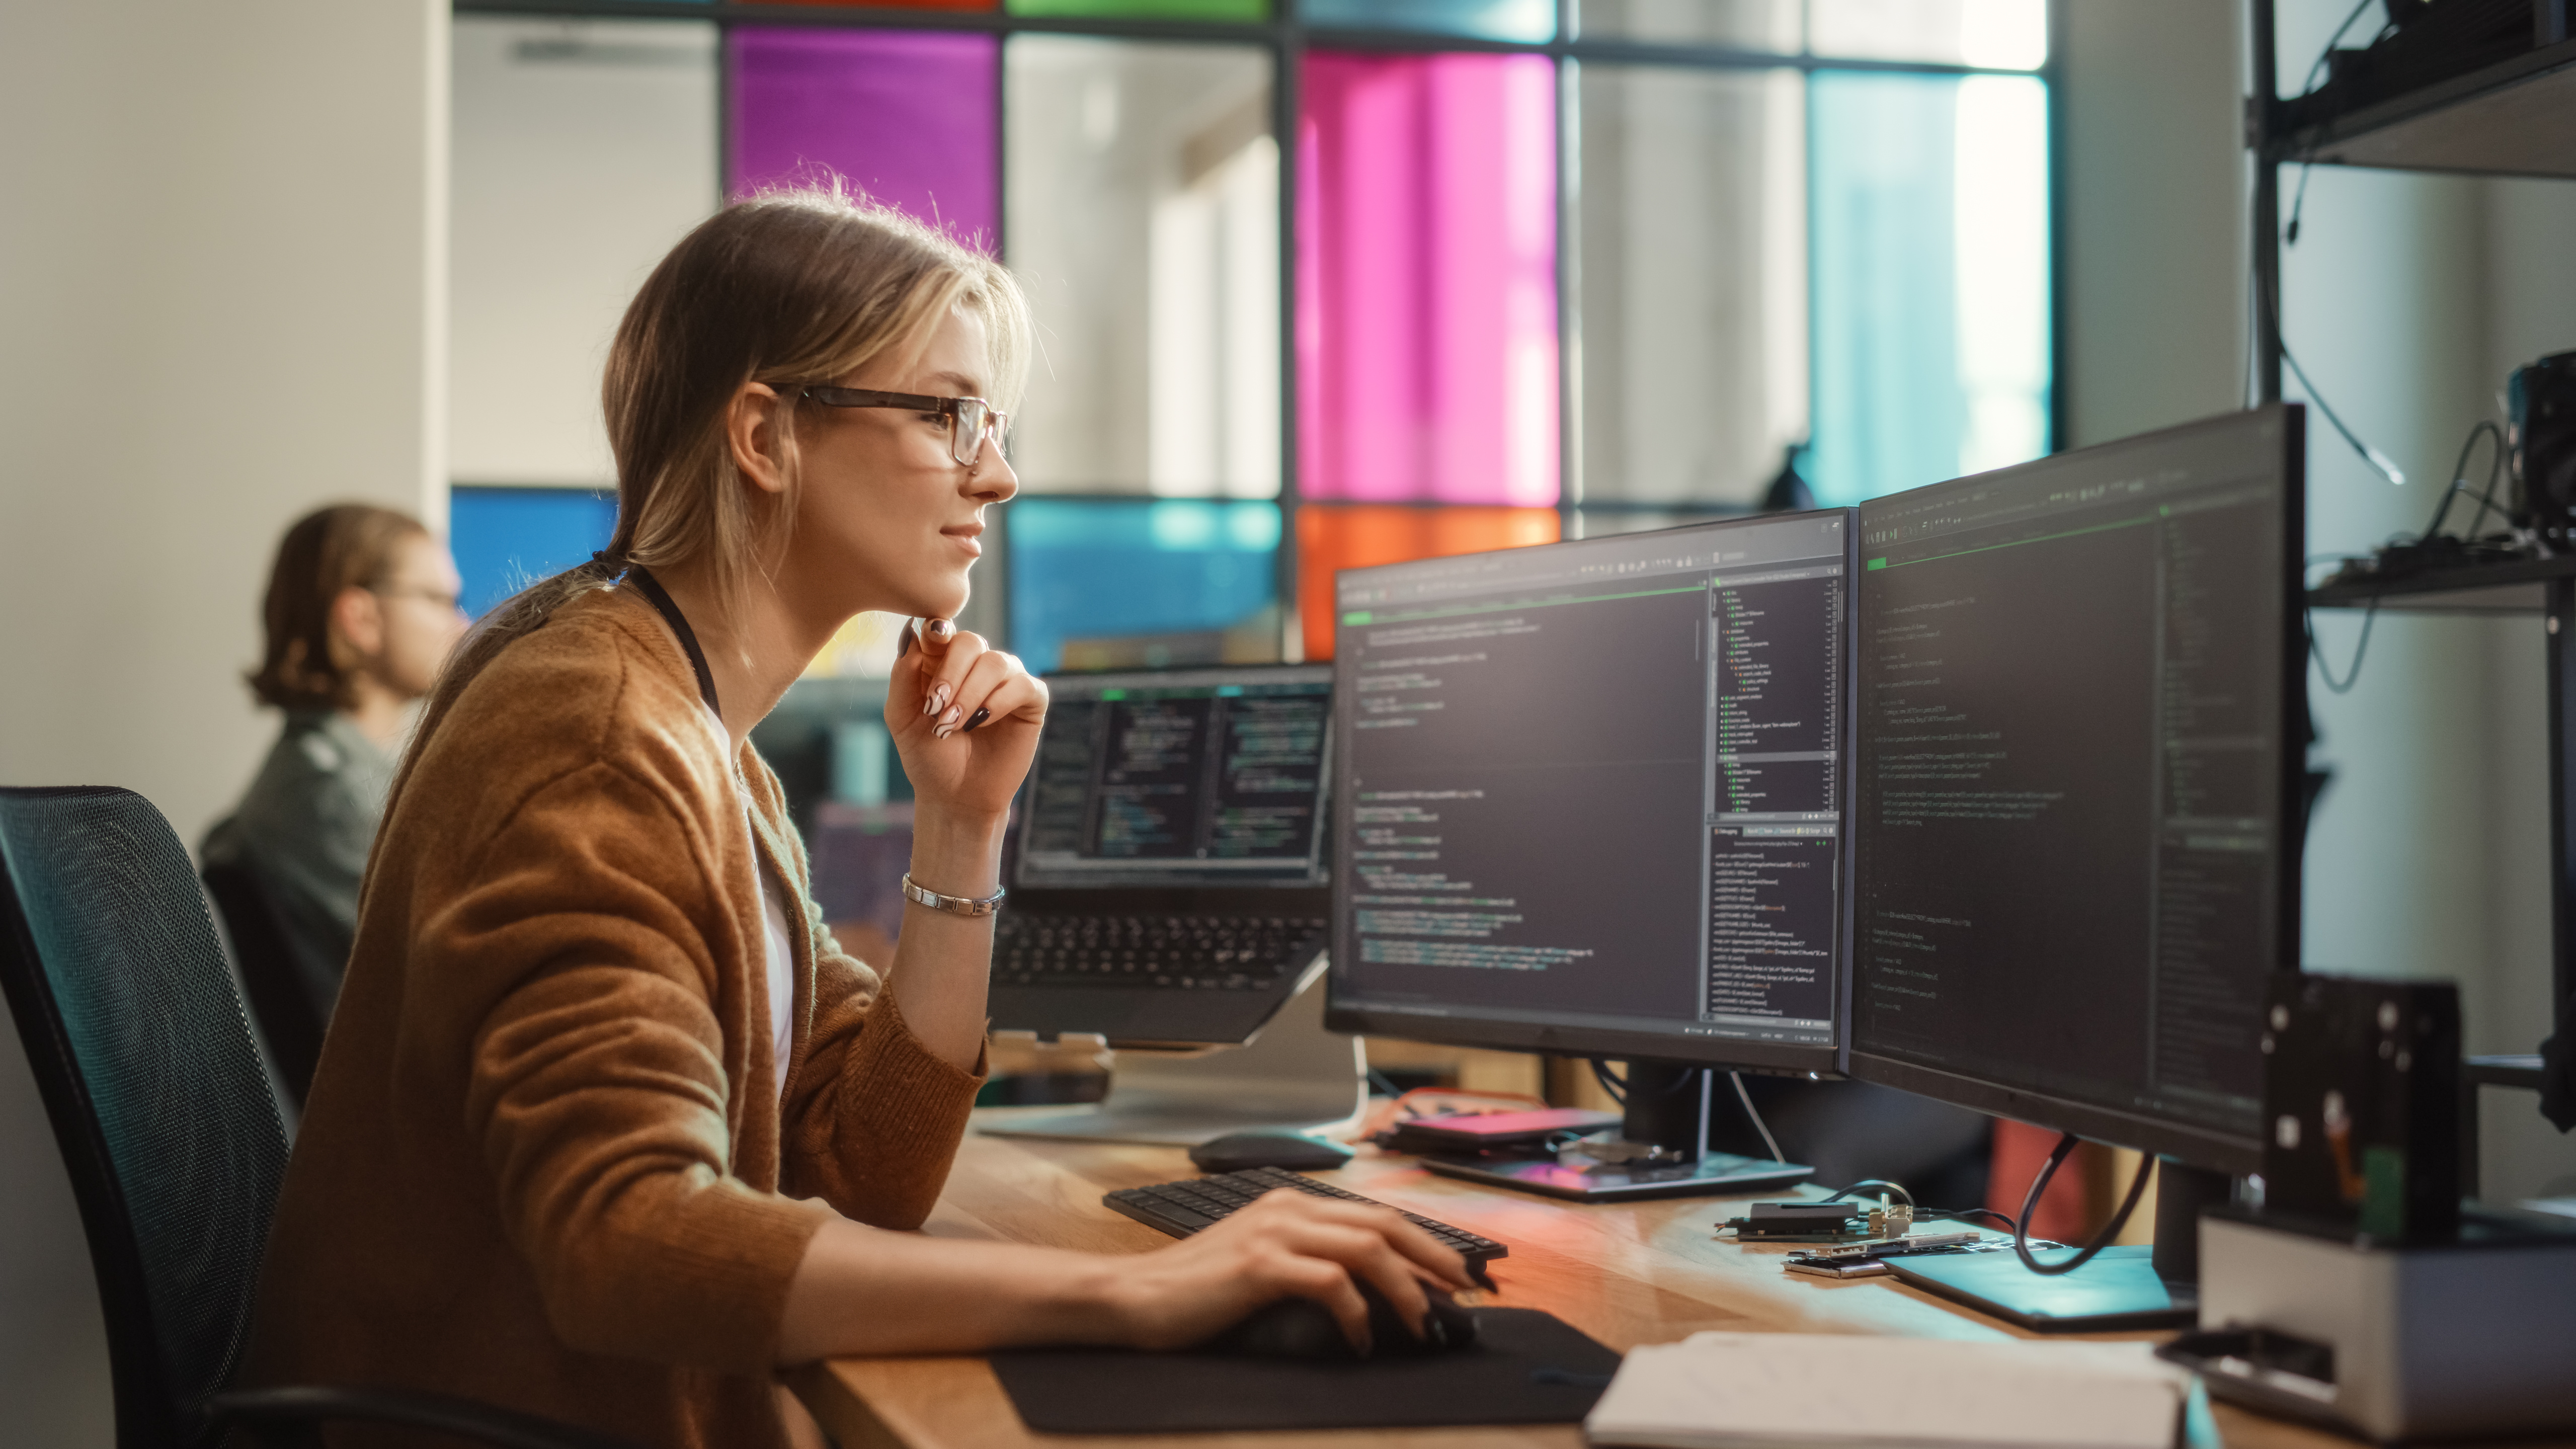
{"x": 1426, "y": 278}
{"x": 908, "y": 116}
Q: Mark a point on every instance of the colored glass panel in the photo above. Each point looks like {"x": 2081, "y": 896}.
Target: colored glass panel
{"x": 2005, "y": 34}
{"x": 1694, "y": 280}
{"x": 1426, "y": 270}
{"x": 1143, "y": 197}
{"x": 1148, "y": 9}
{"x": 1526, "y": 20}
{"x": 505, "y": 539}
{"x": 1172, "y": 580}
{"x": 1350, "y": 537}
{"x": 907, "y": 116}
{"x": 1928, "y": 210}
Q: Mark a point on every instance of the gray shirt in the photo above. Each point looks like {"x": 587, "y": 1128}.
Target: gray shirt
{"x": 304, "y": 829}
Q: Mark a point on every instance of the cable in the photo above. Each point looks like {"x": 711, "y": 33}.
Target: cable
{"x": 2460, "y": 481}
{"x": 1384, "y": 1084}
{"x": 1617, "y": 1089}
{"x": 2011, "y": 1224}
{"x": 1867, "y": 1183}
{"x": 2369, "y": 454}
{"x": 2102, "y": 1239}
{"x": 2351, "y": 676}
{"x": 2308, "y": 87}
{"x": 1759, "y": 1125}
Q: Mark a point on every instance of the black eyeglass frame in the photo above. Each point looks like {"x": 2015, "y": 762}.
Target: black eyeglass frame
{"x": 964, "y": 442}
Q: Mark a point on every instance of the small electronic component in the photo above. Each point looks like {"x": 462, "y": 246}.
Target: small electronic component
{"x": 1850, "y": 1268}
{"x": 1796, "y": 1222}
{"x": 1892, "y": 1247}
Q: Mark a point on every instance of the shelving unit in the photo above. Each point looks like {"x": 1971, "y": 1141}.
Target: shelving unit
{"x": 2513, "y": 117}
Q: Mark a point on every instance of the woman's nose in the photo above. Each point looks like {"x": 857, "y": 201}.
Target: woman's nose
{"x": 993, "y": 480}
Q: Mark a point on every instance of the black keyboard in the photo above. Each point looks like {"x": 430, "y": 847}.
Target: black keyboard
{"x": 1209, "y": 953}
{"x": 1182, "y": 1208}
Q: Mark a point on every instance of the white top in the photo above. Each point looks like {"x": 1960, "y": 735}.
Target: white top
{"x": 777, "y": 947}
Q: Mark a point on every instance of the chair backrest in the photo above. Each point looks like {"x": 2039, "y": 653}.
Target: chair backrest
{"x": 279, "y": 1002}
{"x": 145, "y": 1061}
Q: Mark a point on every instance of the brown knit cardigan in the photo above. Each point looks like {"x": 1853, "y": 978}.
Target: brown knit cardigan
{"x": 545, "y": 1163}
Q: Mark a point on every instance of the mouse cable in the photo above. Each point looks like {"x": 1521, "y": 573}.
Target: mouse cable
{"x": 2039, "y": 1184}
{"x": 1867, "y": 1184}
{"x": 1759, "y": 1125}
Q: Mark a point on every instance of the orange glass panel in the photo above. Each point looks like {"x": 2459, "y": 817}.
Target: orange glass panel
{"x": 1350, "y": 536}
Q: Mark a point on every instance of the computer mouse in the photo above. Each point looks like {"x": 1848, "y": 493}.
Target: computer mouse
{"x": 1237, "y": 1151}
{"x": 1304, "y": 1328}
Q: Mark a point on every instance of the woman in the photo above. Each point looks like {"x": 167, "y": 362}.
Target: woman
{"x": 360, "y": 614}
{"x": 608, "y": 1128}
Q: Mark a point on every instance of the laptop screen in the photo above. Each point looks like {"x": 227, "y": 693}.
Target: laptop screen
{"x": 1188, "y": 777}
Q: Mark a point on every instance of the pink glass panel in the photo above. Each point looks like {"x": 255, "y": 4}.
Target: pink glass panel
{"x": 907, "y": 116}
{"x": 1426, "y": 278}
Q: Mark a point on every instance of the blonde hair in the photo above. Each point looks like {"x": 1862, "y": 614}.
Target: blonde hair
{"x": 791, "y": 287}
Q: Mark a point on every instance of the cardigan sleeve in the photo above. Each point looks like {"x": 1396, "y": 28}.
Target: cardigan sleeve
{"x": 872, "y": 1119}
{"x": 571, "y": 958}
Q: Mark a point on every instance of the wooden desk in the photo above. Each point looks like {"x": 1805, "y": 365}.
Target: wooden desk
{"x": 1648, "y": 1273}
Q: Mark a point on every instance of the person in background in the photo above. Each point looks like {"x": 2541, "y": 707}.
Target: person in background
{"x": 360, "y": 614}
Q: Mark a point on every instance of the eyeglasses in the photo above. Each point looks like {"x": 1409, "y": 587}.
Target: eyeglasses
{"x": 970, "y": 419}
{"x": 439, "y": 598}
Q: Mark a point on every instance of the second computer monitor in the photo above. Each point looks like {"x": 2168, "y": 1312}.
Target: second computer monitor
{"x": 1588, "y": 796}
{"x": 2077, "y": 785}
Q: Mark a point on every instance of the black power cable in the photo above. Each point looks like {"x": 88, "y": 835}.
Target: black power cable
{"x": 2102, "y": 1239}
{"x": 2352, "y": 676}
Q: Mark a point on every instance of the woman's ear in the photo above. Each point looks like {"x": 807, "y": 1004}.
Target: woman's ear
{"x": 357, "y": 626}
{"x": 755, "y": 435}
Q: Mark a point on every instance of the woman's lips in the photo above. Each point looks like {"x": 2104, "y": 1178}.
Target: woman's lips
{"x": 965, "y": 539}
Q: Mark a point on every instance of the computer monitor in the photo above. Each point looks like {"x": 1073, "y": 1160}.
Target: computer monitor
{"x": 2077, "y": 788}
{"x": 1589, "y": 796}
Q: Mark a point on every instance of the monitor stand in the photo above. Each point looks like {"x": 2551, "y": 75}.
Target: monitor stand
{"x": 1291, "y": 1076}
{"x": 1660, "y": 1150}
{"x": 2122, "y": 1288}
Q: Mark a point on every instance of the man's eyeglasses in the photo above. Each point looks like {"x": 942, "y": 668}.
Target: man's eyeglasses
{"x": 436, "y": 598}
{"x": 970, "y": 419}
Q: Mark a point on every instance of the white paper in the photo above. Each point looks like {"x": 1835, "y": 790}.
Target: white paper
{"x": 1809, "y": 1391}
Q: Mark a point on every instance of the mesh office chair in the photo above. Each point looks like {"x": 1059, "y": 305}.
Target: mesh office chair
{"x": 145, "y": 1062}
{"x": 279, "y": 1002}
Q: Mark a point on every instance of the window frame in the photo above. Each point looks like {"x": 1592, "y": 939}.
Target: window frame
{"x": 1287, "y": 38}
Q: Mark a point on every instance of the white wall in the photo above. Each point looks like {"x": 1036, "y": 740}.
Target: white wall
{"x": 220, "y": 305}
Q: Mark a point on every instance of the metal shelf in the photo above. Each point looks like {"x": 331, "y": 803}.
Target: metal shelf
{"x": 2516, "y": 117}
{"x": 2519, "y": 587}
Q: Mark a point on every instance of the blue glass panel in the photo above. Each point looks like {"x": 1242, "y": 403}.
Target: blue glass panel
{"x": 507, "y": 538}
{"x": 1928, "y": 224}
{"x": 1525, "y": 20}
{"x": 1147, "y": 570}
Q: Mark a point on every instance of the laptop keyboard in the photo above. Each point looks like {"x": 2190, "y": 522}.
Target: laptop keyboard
{"x": 1206, "y": 953}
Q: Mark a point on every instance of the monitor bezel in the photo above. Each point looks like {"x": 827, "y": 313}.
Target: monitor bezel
{"x": 1724, "y": 1053}
{"x": 2189, "y": 1143}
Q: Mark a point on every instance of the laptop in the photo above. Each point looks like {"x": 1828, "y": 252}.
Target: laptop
{"x": 1166, "y": 857}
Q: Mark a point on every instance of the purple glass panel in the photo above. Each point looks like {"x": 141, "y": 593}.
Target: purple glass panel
{"x": 1426, "y": 278}
{"x": 908, "y": 116}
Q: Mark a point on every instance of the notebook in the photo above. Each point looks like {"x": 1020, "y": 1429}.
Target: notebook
{"x": 1814, "y": 1391}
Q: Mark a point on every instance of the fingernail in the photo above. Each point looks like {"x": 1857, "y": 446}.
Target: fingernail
{"x": 947, "y": 721}
{"x": 972, "y": 720}
{"x": 904, "y": 647}
{"x": 940, "y": 629}
{"x": 942, "y": 732}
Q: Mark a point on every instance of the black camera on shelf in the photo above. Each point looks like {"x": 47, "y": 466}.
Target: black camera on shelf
{"x": 2540, "y": 438}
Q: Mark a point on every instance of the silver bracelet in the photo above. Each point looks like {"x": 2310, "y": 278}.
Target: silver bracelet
{"x": 953, "y": 905}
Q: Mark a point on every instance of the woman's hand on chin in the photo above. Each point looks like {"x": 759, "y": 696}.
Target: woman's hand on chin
{"x": 965, "y": 717}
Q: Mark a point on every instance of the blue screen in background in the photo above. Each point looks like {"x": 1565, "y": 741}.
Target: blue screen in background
{"x": 1111, "y": 568}
{"x": 508, "y": 538}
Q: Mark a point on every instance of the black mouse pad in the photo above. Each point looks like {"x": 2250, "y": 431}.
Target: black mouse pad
{"x": 1526, "y": 1367}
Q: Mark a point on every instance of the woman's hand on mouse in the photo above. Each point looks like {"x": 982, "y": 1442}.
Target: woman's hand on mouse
{"x": 1285, "y": 1244}
{"x": 965, "y": 717}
